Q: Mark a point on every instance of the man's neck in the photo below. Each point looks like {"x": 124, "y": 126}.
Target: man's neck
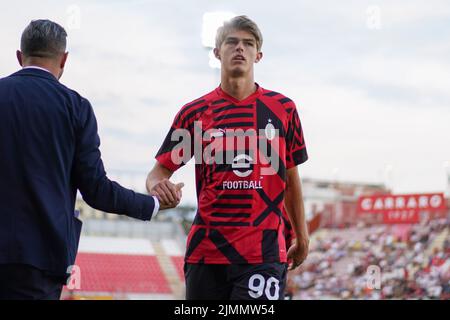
{"x": 239, "y": 88}
{"x": 39, "y": 64}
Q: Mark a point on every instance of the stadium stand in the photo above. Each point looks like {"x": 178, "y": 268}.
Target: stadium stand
{"x": 414, "y": 261}
{"x": 121, "y": 258}
{"x": 119, "y": 268}
{"x": 176, "y": 255}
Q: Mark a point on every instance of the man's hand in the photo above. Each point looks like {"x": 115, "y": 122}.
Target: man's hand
{"x": 298, "y": 252}
{"x": 168, "y": 193}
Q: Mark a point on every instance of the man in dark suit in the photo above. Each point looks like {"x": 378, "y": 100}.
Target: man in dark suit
{"x": 49, "y": 148}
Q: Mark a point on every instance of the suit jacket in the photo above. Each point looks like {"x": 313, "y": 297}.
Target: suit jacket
{"x": 49, "y": 148}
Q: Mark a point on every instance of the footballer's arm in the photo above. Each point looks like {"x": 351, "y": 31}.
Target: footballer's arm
{"x": 296, "y": 212}
{"x": 158, "y": 184}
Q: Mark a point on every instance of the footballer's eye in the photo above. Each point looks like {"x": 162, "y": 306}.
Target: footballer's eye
{"x": 250, "y": 44}
{"x": 231, "y": 41}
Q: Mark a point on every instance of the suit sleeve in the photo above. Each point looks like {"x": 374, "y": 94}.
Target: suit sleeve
{"x": 295, "y": 142}
{"x": 90, "y": 176}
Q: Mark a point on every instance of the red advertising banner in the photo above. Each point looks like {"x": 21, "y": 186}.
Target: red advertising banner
{"x": 404, "y": 208}
{"x": 401, "y": 216}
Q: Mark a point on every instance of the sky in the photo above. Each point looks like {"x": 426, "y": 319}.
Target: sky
{"x": 371, "y": 79}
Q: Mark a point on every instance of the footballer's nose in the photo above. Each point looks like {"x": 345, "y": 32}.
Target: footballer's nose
{"x": 240, "y": 47}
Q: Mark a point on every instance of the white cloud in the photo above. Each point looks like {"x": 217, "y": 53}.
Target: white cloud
{"x": 416, "y": 74}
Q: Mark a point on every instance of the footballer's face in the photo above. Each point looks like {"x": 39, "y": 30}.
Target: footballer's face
{"x": 238, "y": 53}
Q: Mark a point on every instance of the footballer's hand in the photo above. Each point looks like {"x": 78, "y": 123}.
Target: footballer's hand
{"x": 298, "y": 252}
{"x": 168, "y": 193}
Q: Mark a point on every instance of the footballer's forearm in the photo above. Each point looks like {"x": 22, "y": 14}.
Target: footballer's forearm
{"x": 294, "y": 205}
{"x": 157, "y": 174}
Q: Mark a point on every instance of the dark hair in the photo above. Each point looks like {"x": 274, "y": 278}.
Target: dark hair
{"x": 43, "y": 38}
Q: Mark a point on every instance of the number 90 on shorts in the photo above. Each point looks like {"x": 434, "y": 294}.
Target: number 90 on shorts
{"x": 259, "y": 286}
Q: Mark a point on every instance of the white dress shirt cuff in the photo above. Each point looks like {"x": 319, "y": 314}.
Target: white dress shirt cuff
{"x": 156, "y": 209}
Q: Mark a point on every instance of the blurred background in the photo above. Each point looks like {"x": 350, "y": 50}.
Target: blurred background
{"x": 371, "y": 80}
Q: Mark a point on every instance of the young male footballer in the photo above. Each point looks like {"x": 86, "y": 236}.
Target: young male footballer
{"x": 247, "y": 142}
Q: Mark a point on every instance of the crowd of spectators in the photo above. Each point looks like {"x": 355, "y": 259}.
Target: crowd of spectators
{"x": 378, "y": 264}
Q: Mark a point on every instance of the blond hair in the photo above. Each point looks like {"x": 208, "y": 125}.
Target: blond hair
{"x": 239, "y": 23}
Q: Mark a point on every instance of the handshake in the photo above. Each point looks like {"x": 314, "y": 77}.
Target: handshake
{"x": 168, "y": 193}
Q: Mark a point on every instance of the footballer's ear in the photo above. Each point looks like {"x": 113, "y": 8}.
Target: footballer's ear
{"x": 19, "y": 57}
{"x": 216, "y": 53}
{"x": 259, "y": 56}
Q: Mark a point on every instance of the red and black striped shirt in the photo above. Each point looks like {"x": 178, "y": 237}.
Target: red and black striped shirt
{"x": 241, "y": 197}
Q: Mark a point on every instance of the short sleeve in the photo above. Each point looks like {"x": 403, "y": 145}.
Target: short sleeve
{"x": 295, "y": 142}
{"x": 178, "y": 146}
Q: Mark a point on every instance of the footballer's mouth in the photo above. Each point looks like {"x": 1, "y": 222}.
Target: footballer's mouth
{"x": 239, "y": 58}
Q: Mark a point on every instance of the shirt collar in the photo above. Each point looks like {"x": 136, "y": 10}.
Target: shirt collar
{"x": 249, "y": 99}
{"x": 36, "y": 67}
